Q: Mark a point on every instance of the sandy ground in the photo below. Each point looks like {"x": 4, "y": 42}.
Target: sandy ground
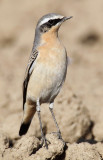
{"x": 79, "y": 106}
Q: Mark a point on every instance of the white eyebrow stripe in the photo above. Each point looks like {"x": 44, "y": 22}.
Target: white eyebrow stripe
{"x": 47, "y": 19}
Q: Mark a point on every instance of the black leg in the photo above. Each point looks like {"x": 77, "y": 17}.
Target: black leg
{"x": 44, "y": 141}
{"x": 42, "y": 134}
{"x": 58, "y": 130}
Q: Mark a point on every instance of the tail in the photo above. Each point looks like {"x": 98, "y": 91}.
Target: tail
{"x": 27, "y": 118}
{"x": 24, "y": 128}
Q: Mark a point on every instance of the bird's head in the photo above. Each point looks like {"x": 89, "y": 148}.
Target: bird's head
{"x": 51, "y": 22}
{"x": 47, "y": 28}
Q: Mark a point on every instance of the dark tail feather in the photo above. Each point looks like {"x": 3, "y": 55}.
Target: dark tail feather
{"x": 24, "y": 128}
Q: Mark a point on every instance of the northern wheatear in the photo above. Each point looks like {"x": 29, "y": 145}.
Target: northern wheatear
{"x": 46, "y": 71}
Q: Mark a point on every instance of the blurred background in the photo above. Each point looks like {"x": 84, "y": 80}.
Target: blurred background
{"x": 79, "y": 106}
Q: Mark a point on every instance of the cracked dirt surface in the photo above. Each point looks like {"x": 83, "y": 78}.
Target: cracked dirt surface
{"x": 79, "y": 106}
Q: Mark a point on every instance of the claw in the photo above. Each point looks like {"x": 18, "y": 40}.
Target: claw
{"x": 44, "y": 141}
{"x": 59, "y": 137}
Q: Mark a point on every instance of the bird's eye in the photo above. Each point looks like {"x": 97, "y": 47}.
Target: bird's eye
{"x": 51, "y": 22}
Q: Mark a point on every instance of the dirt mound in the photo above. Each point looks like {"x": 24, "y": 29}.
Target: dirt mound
{"x": 79, "y": 106}
{"x": 29, "y": 148}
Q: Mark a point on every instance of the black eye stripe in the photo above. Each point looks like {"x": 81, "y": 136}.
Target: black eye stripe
{"x": 54, "y": 21}
{"x": 51, "y": 22}
{"x": 46, "y": 26}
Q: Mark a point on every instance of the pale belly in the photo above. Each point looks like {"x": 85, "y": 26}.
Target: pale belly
{"x": 47, "y": 79}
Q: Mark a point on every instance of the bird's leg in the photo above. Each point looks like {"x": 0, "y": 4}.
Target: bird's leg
{"x": 39, "y": 116}
{"x": 58, "y": 130}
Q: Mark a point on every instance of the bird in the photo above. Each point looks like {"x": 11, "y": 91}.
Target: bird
{"x": 45, "y": 72}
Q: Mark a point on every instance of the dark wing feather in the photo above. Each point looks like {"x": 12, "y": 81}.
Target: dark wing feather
{"x": 28, "y": 73}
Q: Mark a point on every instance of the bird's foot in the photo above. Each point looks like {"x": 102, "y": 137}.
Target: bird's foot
{"x": 58, "y": 134}
{"x": 59, "y": 137}
{"x": 44, "y": 142}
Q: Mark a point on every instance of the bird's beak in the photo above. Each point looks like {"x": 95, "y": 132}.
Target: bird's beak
{"x": 66, "y": 18}
{"x": 63, "y": 20}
